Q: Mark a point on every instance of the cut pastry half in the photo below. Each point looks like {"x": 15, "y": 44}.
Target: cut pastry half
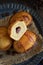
{"x": 17, "y": 30}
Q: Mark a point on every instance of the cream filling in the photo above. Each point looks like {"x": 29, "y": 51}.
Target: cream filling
{"x": 16, "y": 36}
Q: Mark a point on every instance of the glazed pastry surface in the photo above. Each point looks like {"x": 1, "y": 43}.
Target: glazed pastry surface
{"x": 26, "y": 42}
{"x": 5, "y": 41}
{"x": 22, "y": 16}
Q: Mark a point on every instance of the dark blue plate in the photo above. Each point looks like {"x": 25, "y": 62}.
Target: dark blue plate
{"x": 33, "y": 61}
{"x": 10, "y": 8}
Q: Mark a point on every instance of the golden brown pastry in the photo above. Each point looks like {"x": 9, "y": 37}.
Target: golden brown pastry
{"x": 17, "y": 29}
{"x": 3, "y": 31}
{"x": 5, "y": 41}
{"x": 25, "y": 43}
{"x": 22, "y": 16}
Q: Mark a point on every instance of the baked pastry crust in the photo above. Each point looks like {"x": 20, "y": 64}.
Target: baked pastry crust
{"x": 25, "y": 43}
{"x": 5, "y": 40}
{"x": 22, "y": 16}
{"x": 3, "y": 31}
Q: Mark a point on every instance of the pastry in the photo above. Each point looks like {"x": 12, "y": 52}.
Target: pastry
{"x": 25, "y": 43}
{"x": 17, "y": 29}
{"x": 22, "y": 16}
{"x": 5, "y": 41}
{"x": 3, "y": 31}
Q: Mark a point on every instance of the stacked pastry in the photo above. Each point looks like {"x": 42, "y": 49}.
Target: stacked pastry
{"x": 18, "y": 24}
{"x": 17, "y": 30}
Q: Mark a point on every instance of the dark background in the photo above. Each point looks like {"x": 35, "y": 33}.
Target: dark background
{"x": 35, "y": 4}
